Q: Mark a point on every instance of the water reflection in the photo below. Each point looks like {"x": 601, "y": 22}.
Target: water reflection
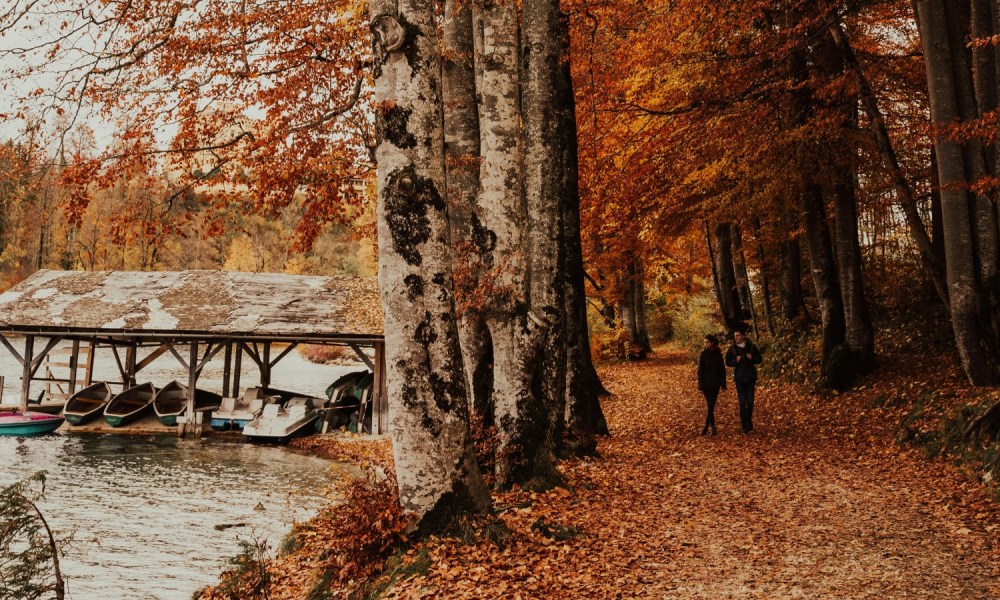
{"x": 143, "y": 510}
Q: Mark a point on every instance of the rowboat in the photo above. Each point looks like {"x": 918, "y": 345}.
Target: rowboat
{"x": 278, "y": 422}
{"x": 28, "y": 423}
{"x": 171, "y": 402}
{"x": 87, "y": 404}
{"x": 129, "y": 405}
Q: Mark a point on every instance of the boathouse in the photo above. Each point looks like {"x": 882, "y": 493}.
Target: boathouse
{"x": 193, "y": 316}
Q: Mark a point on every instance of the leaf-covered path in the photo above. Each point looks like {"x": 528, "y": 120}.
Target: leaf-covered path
{"x": 817, "y": 502}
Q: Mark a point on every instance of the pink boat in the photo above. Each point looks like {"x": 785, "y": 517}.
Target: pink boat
{"x": 28, "y": 423}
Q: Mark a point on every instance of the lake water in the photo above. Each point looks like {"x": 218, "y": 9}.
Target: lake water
{"x": 142, "y": 510}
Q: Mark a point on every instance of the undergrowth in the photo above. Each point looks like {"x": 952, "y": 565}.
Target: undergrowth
{"x": 949, "y": 430}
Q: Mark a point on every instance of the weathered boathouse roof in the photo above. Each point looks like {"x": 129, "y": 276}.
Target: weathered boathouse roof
{"x": 205, "y": 304}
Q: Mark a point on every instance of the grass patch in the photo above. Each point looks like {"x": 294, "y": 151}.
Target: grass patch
{"x": 398, "y": 567}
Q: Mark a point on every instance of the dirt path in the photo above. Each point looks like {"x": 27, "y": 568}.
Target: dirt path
{"x": 799, "y": 508}
{"x": 816, "y": 503}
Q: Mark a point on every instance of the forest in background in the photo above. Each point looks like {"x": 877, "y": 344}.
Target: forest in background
{"x": 828, "y": 168}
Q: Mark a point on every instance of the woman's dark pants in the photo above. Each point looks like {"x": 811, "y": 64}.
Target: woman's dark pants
{"x": 711, "y": 395}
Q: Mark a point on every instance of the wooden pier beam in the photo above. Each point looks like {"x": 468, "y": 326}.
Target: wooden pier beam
{"x": 227, "y": 364}
{"x": 26, "y": 374}
{"x": 74, "y": 361}
{"x": 237, "y": 369}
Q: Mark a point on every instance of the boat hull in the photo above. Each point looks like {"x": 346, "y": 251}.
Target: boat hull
{"x": 87, "y": 404}
{"x": 129, "y": 405}
{"x": 303, "y": 428}
{"x": 29, "y": 423}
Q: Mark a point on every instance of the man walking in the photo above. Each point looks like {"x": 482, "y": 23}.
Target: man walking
{"x": 742, "y": 356}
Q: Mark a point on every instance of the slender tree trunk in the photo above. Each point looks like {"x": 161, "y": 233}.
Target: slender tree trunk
{"x": 732, "y": 311}
{"x": 932, "y": 260}
{"x": 436, "y": 467}
{"x": 765, "y": 286}
{"x": 792, "y": 297}
{"x": 584, "y": 415}
{"x": 958, "y": 238}
{"x": 743, "y": 279}
{"x": 639, "y": 297}
{"x": 469, "y": 241}
{"x": 860, "y": 336}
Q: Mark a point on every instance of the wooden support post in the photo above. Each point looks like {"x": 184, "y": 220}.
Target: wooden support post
{"x": 89, "y": 377}
{"x": 29, "y": 354}
{"x": 380, "y": 405}
{"x": 74, "y": 360}
{"x": 265, "y": 366}
{"x": 191, "y": 422}
{"x": 130, "y": 360}
{"x": 227, "y": 369}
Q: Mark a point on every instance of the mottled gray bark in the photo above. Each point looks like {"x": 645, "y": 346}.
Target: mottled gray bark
{"x": 546, "y": 186}
{"x": 436, "y": 468}
{"x": 518, "y": 334}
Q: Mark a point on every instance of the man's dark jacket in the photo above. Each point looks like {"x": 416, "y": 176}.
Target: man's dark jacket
{"x": 744, "y": 371}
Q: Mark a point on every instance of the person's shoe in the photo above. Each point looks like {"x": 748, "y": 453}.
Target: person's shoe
{"x": 705, "y": 430}
{"x": 713, "y": 431}
{"x": 745, "y": 431}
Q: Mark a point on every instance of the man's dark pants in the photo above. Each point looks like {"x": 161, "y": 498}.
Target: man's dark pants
{"x": 745, "y": 393}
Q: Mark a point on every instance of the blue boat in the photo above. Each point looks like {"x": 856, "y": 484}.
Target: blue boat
{"x": 28, "y": 423}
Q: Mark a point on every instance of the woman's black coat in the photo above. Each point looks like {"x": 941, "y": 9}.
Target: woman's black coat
{"x": 711, "y": 369}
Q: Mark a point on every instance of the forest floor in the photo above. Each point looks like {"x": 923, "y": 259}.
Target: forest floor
{"x": 819, "y": 501}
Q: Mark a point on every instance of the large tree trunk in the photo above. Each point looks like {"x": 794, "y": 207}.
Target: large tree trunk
{"x": 469, "y": 243}
{"x": 584, "y": 415}
{"x": 641, "y": 335}
{"x": 520, "y": 415}
{"x": 984, "y": 231}
{"x": 974, "y": 350}
{"x": 436, "y": 467}
{"x": 859, "y": 335}
{"x": 824, "y": 272}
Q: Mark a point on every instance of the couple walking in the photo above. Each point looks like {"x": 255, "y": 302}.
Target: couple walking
{"x": 741, "y": 356}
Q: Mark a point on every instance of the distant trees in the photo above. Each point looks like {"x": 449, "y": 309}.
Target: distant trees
{"x": 802, "y": 125}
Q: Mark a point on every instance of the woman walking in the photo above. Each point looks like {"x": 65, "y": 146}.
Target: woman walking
{"x": 711, "y": 378}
